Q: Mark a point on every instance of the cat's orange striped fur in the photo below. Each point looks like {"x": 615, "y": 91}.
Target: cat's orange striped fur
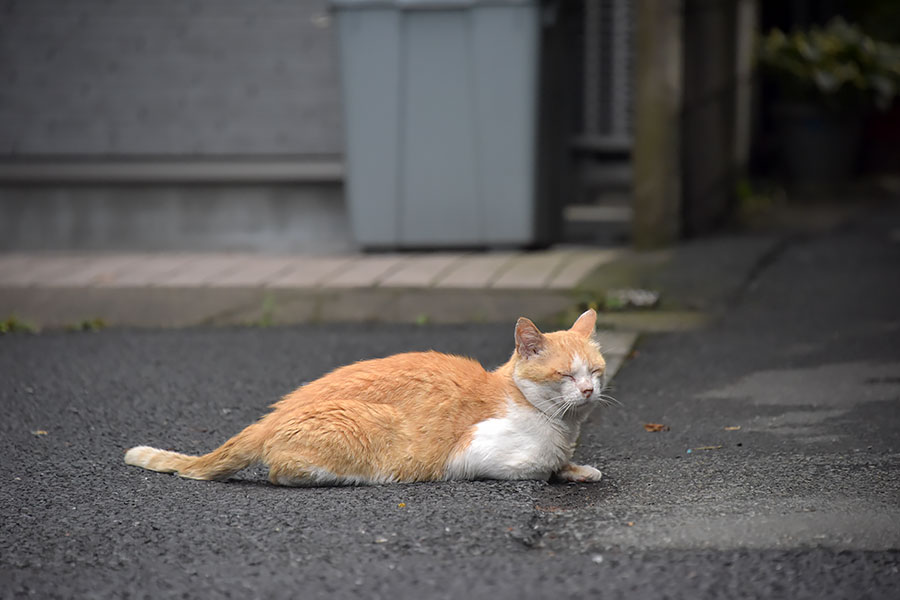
{"x": 422, "y": 416}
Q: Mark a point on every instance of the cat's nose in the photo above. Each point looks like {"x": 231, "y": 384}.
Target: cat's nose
{"x": 587, "y": 391}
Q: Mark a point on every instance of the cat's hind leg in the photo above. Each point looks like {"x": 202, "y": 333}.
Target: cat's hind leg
{"x": 579, "y": 473}
{"x": 291, "y": 474}
{"x": 290, "y": 471}
{"x": 286, "y": 468}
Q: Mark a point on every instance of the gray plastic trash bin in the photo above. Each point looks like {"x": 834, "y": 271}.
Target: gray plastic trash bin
{"x": 440, "y": 102}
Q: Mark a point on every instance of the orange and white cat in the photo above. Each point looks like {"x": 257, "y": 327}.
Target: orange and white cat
{"x": 422, "y": 416}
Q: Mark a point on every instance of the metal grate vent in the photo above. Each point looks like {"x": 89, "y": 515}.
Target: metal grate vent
{"x": 608, "y": 58}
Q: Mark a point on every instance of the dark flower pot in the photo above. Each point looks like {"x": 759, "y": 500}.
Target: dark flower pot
{"x": 818, "y": 146}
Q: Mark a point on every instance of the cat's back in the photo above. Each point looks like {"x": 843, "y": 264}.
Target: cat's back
{"x": 411, "y": 377}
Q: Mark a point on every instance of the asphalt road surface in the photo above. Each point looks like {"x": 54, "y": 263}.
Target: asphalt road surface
{"x": 778, "y": 476}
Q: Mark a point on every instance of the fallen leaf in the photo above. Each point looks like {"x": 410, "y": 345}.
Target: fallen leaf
{"x": 39, "y": 432}
{"x": 733, "y": 428}
{"x": 630, "y": 523}
{"x": 654, "y": 427}
{"x": 401, "y": 505}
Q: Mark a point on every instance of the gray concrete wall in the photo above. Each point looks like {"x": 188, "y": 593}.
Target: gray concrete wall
{"x": 170, "y": 124}
{"x": 307, "y": 218}
{"x": 167, "y": 77}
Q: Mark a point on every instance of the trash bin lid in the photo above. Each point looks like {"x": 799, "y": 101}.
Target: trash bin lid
{"x": 423, "y": 4}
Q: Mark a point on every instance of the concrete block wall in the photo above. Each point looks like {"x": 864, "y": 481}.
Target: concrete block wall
{"x": 170, "y": 124}
{"x": 120, "y": 78}
{"x": 272, "y": 218}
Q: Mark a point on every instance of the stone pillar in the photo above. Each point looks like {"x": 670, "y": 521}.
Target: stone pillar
{"x": 657, "y": 144}
{"x": 745, "y": 29}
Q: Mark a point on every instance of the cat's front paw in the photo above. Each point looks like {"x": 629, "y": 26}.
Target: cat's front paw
{"x": 579, "y": 473}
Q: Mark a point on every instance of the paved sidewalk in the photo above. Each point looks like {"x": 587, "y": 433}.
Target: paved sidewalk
{"x": 696, "y": 282}
{"x": 179, "y": 289}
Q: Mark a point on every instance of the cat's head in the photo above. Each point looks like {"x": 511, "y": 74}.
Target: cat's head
{"x": 560, "y": 373}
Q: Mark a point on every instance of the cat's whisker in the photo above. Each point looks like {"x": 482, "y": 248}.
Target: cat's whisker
{"x": 545, "y": 412}
{"x": 567, "y": 406}
{"x": 609, "y": 400}
{"x": 550, "y": 409}
{"x": 557, "y": 411}
{"x": 554, "y": 398}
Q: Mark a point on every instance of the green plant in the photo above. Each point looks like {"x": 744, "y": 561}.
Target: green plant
{"x": 267, "y": 312}
{"x": 95, "y": 324}
{"x": 13, "y": 324}
{"x": 837, "y": 66}
{"x": 756, "y": 200}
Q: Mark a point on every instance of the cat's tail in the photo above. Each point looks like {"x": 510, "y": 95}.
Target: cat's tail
{"x": 240, "y": 451}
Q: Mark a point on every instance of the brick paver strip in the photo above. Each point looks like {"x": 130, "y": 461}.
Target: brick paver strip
{"x": 474, "y": 271}
{"x": 43, "y": 270}
{"x": 365, "y": 271}
{"x": 421, "y": 271}
{"x": 578, "y": 265}
{"x": 147, "y": 271}
{"x": 309, "y": 272}
{"x": 254, "y": 271}
{"x": 12, "y": 264}
{"x": 531, "y": 271}
{"x": 97, "y": 269}
{"x": 200, "y": 271}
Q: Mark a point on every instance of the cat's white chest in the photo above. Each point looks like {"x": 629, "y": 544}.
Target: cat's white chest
{"x": 522, "y": 444}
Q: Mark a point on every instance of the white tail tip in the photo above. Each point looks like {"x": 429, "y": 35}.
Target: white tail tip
{"x": 140, "y": 456}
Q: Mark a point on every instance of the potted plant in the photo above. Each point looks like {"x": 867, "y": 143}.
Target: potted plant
{"x": 828, "y": 80}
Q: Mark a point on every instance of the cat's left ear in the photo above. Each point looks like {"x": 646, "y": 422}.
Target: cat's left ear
{"x": 586, "y": 323}
{"x": 529, "y": 339}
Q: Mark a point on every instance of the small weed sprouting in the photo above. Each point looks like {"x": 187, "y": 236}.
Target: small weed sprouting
{"x": 95, "y": 324}
{"x": 614, "y": 302}
{"x": 13, "y": 324}
{"x": 267, "y": 312}
{"x": 757, "y": 201}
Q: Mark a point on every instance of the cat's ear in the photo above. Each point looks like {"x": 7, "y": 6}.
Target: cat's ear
{"x": 586, "y": 323}
{"x": 529, "y": 339}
